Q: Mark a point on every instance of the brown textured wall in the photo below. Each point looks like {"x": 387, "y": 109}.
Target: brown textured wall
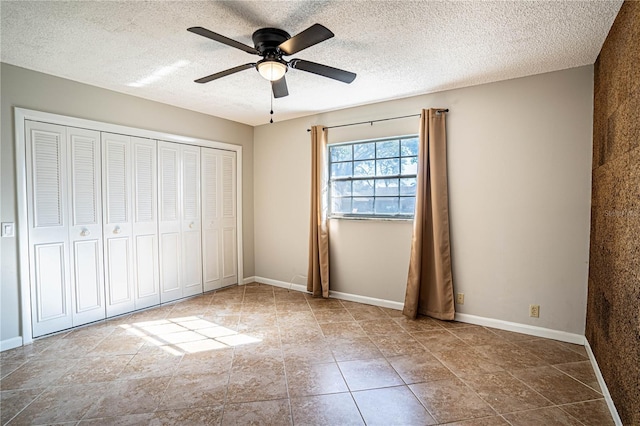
{"x": 613, "y": 305}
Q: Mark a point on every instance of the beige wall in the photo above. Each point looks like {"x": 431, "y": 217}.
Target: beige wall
{"x": 519, "y": 176}
{"x": 33, "y": 90}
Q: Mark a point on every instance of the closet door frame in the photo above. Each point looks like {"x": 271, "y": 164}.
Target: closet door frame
{"x": 22, "y": 231}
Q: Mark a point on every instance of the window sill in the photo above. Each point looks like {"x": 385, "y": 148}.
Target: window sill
{"x": 377, "y": 219}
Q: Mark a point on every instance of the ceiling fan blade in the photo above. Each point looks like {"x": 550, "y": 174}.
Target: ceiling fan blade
{"x": 279, "y": 88}
{"x": 323, "y": 70}
{"x": 224, "y": 73}
{"x": 222, "y": 39}
{"x": 312, "y": 35}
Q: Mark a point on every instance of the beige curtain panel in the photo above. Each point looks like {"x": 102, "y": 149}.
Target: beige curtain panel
{"x": 429, "y": 283}
{"x": 318, "y": 273}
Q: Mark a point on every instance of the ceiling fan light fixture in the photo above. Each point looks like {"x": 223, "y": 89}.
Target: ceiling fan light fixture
{"x": 272, "y": 70}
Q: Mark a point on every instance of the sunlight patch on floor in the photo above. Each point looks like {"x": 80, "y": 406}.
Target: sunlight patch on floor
{"x": 184, "y": 335}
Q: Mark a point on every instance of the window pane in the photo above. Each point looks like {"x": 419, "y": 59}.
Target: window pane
{"x": 386, "y": 187}
{"x": 388, "y": 167}
{"x": 371, "y": 178}
{"x": 341, "y": 189}
{"x": 388, "y": 149}
{"x": 340, "y": 153}
{"x": 363, "y": 187}
{"x": 341, "y": 205}
{"x": 364, "y": 168}
{"x": 410, "y": 166}
{"x": 364, "y": 151}
{"x": 362, "y": 206}
{"x": 341, "y": 169}
{"x": 408, "y": 186}
{"x": 407, "y": 205}
{"x": 387, "y": 205}
{"x": 409, "y": 147}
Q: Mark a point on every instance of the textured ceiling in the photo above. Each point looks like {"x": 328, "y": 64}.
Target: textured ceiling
{"x": 398, "y": 48}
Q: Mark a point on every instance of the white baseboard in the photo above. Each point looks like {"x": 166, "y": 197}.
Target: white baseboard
{"x": 603, "y": 385}
{"x": 531, "y": 330}
{"x": 14, "y": 342}
{"x": 282, "y": 284}
{"x": 248, "y": 280}
{"x": 367, "y": 300}
{"x": 334, "y": 294}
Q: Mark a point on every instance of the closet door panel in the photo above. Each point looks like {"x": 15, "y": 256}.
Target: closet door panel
{"x": 46, "y": 178}
{"x": 145, "y": 223}
{"x": 146, "y": 264}
{"x": 46, "y": 164}
{"x": 211, "y": 259}
{"x": 85, "y": 228}
{"x": 192, "y": 263}
{"x": 210, "y": 219}
{"x": 170, "y": 268}
{"x": 51, "y": 289}
{"x": 230, "y": 274}
{"x": 116, "y": 156}
{"x": 191, "y": 221}
{"x": 169, "y": 159}
{"x": 118, "y": 268}
{"x": 169, "y": 221}
{"x": 219, "y": 218}
{"x": 87, "y": 276}
{"x": 228, "y": 222}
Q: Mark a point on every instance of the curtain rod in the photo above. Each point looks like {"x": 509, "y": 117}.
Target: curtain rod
{"x": 376, "y": 121}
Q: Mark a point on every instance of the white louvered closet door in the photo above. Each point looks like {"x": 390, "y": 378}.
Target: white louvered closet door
{"x": 229, "y": 216}
{"x": 117, "y": 223}
{"x": 145, "y": 223}
{"x": 48, "y": 223}
{"x": 85, "y": 225}
{"x": 218, "y": 219}
{"x": 211, "y": 212}
{"x": 118, "y": 233}
{"x": 169, "y": 220}
{"x": 191, "y": 221}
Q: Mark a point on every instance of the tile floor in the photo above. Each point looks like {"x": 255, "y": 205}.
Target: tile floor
{"x": 258, "y": 354}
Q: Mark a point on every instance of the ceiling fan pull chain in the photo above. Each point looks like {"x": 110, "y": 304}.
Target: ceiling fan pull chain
{"x": 271, "y": 112}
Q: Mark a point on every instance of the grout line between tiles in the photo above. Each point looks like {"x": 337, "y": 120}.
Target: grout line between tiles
{"x": 284, "y": 367}
{"x": 578, "y": 380}
{"x": 230, "y": 368}
{"x": 25, "y": 407}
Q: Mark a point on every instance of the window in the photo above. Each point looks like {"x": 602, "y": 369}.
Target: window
{"x": 373, "y": 178}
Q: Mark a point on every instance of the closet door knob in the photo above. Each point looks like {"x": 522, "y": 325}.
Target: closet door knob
{"x": 117, "y": 230}
{"x": 191, "y": 225}
{"x": 85, "y": 232}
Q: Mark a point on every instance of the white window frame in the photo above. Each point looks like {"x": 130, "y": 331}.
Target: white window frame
{"x": 369, "y": 216}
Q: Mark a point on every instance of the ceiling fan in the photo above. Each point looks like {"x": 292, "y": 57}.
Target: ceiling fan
{"x": 272, "y": 44}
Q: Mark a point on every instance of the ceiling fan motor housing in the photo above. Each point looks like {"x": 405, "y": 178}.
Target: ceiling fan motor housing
{"x": 267, "y": 40}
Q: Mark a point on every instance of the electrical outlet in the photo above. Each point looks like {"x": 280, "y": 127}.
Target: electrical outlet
{"x": 534, "y": 311}
{"x": 460, "y": 298}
